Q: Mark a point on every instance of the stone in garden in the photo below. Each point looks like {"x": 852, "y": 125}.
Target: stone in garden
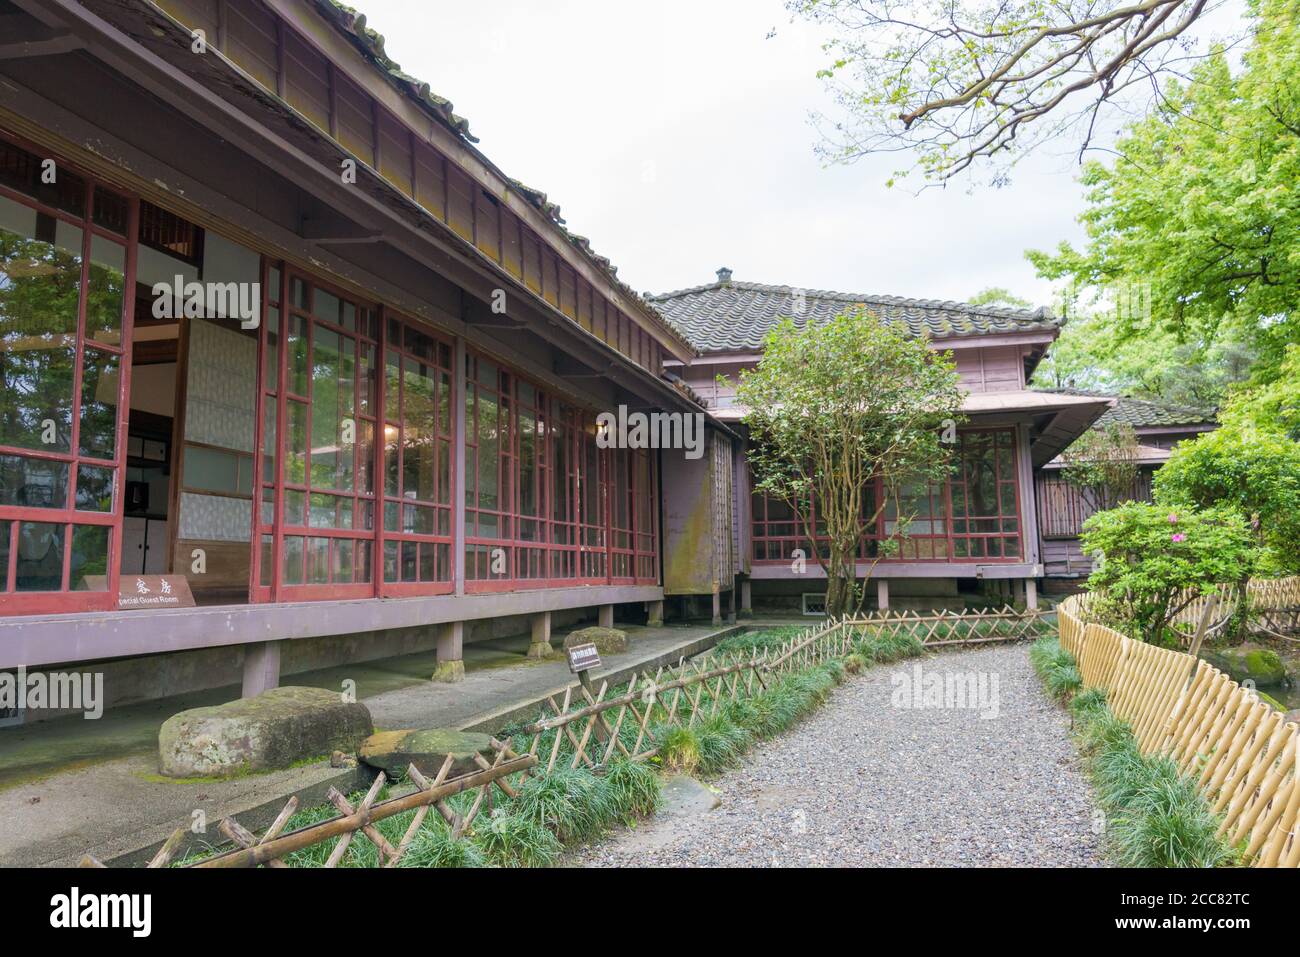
{"x": 270, "y": 731}
{"x": 1293, "y": 715}
{"x": 608, "y": 641}
{"x": 394, "y": 751}
{"x": 1249, "y": 661}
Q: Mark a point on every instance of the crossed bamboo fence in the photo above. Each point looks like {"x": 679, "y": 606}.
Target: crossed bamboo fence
{"x": 591, "y": 729}
{"x": 1241, "y": 751}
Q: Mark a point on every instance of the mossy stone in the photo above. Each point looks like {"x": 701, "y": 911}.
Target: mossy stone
{"x": 394, "y": 751}
{"x": 1250, "y": 663}
{"x": 608, "y": 641}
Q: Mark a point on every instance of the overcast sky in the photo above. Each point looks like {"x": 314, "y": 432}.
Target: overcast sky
{"x": 675, "y": 135}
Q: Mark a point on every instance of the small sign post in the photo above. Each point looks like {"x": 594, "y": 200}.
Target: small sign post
{"x": 582, "y": 659}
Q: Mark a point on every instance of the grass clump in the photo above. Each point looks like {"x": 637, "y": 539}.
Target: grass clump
{"x": 884, "y": 649}
{"x": 433, "y": 846}
{"x": 1156, "y": 816}
{"x": 574, "y": 804}
{"x": 511, "y": 840}
{"x": 1056, "y": 667}
{"x": 680, "y": 750}
{"x": 634, "y": 788}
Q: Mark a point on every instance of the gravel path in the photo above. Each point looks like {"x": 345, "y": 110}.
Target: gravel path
{"x": 863, "y": 782}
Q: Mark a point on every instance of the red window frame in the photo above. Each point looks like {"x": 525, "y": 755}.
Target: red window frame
{"x": 69, "y": 516}
{"x": 957, "y": 531}
{"x": 427, "y": 356}
{"x": 574, "y": 549}
{"x": 361, "y": 500}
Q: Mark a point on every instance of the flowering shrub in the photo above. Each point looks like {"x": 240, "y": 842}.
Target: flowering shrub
{"x": 1151, "y": 553}
{"x": 1256, "y": 473}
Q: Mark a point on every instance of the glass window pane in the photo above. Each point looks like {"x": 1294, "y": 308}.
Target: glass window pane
{"x": 99, "y": 388}
{"x": 111, "y": 210}
{"x": 95, "y": 489}
{"x": 291, "y": 574}
{"x": 40, "y": 556}
{"x": 88, "y": 570}
{"x": 40, "y": 286}
{"x": 104, "y": 290}
{"x": 33, "y": 483}
{"x": 212, "y": 470}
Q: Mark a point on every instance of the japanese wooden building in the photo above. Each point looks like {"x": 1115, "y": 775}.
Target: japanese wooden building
{"x": 390, "y": 438}
{"x": 980, "y": 526}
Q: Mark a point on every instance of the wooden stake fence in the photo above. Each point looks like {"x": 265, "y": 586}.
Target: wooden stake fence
{"x": 1240, "y": 750}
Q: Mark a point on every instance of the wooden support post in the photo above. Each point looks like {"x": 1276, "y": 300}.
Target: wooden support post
{"x": 746, "y": 598}
{"x": 261, "y": 668}
{"x": 1031, "y": 594}
{"x": 882, "y": 593}
{"x": 605, "y": 617}
{"x": 654, "y": 613}
{"x": 1018, "y": 591}
{"x": 451, "y": 652}
{"x": 731, "y": 603}
{"x": 717, "y": 604}
{"x": 541, "y": 643}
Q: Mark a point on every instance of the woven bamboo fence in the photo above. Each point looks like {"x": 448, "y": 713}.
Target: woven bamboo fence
{"x": 589, "y": 728}
{"x": 1272, "y": 607}
{"x": 1242, "y": 752}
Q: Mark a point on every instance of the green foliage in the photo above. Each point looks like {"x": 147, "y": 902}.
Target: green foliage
{"x": 886, "y": 648}
{"x": 433, "y": 846}
{"x": 721, "y": 743}
{"x": 1156, "y": 816}
{"x": 1272, "y": 407}
{"x": 680, "y": 750}
{"x": 1150, "y": 553}
{"x": 833, "y": 406}
{"x": 1200, "y": 214}
{"x": 1104, "y": 462}
{"x": 634, "y": 788}
{"x": 1253, "y": 472}
{"x": 510, "y": 839}
{"x": 571, "y": 802}
{"x": 999, "y": 296}
{"x": 1056, "y": 667}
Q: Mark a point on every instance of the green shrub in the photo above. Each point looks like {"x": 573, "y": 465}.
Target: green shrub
{"x": 1150, "y": 553}
{"x": 721, "y": 743}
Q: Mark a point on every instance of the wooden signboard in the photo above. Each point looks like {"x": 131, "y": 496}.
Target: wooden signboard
{"x": 154, "y": 591}
{"x": 583, "y": 658}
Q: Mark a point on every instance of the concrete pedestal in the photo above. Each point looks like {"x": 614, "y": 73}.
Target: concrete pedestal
{"x": 261, "y": 668}
{"x": 451, "y": 652}
{"x": 541, "y": 636}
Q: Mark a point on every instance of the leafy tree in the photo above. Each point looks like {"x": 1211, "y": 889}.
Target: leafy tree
{"x": 1271, "y": 407}
{"x": 961, "y": 83}
{"x": 1200, "y": 215}
{"x": 834, "y": 406}
{"x": 1253, "y": 472}
{"x": 1155, "y": 562}
{"x": 1104, "y": 463}
{"x": 999, "y": 296}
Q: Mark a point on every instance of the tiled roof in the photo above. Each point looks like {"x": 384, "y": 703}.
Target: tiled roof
{"x": 1144, "y": 413}
{"x": 735, "y": 316}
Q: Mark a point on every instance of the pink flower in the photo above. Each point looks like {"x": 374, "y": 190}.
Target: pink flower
{"x": 1177, "y": 537}
{"x": 1173, "y": 518}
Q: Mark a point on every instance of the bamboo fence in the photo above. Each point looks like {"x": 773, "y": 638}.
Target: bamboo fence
{"x": 589, "y": 727}
{"x": 1272, "y": 607}
{"x": 1242, "y": 752}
